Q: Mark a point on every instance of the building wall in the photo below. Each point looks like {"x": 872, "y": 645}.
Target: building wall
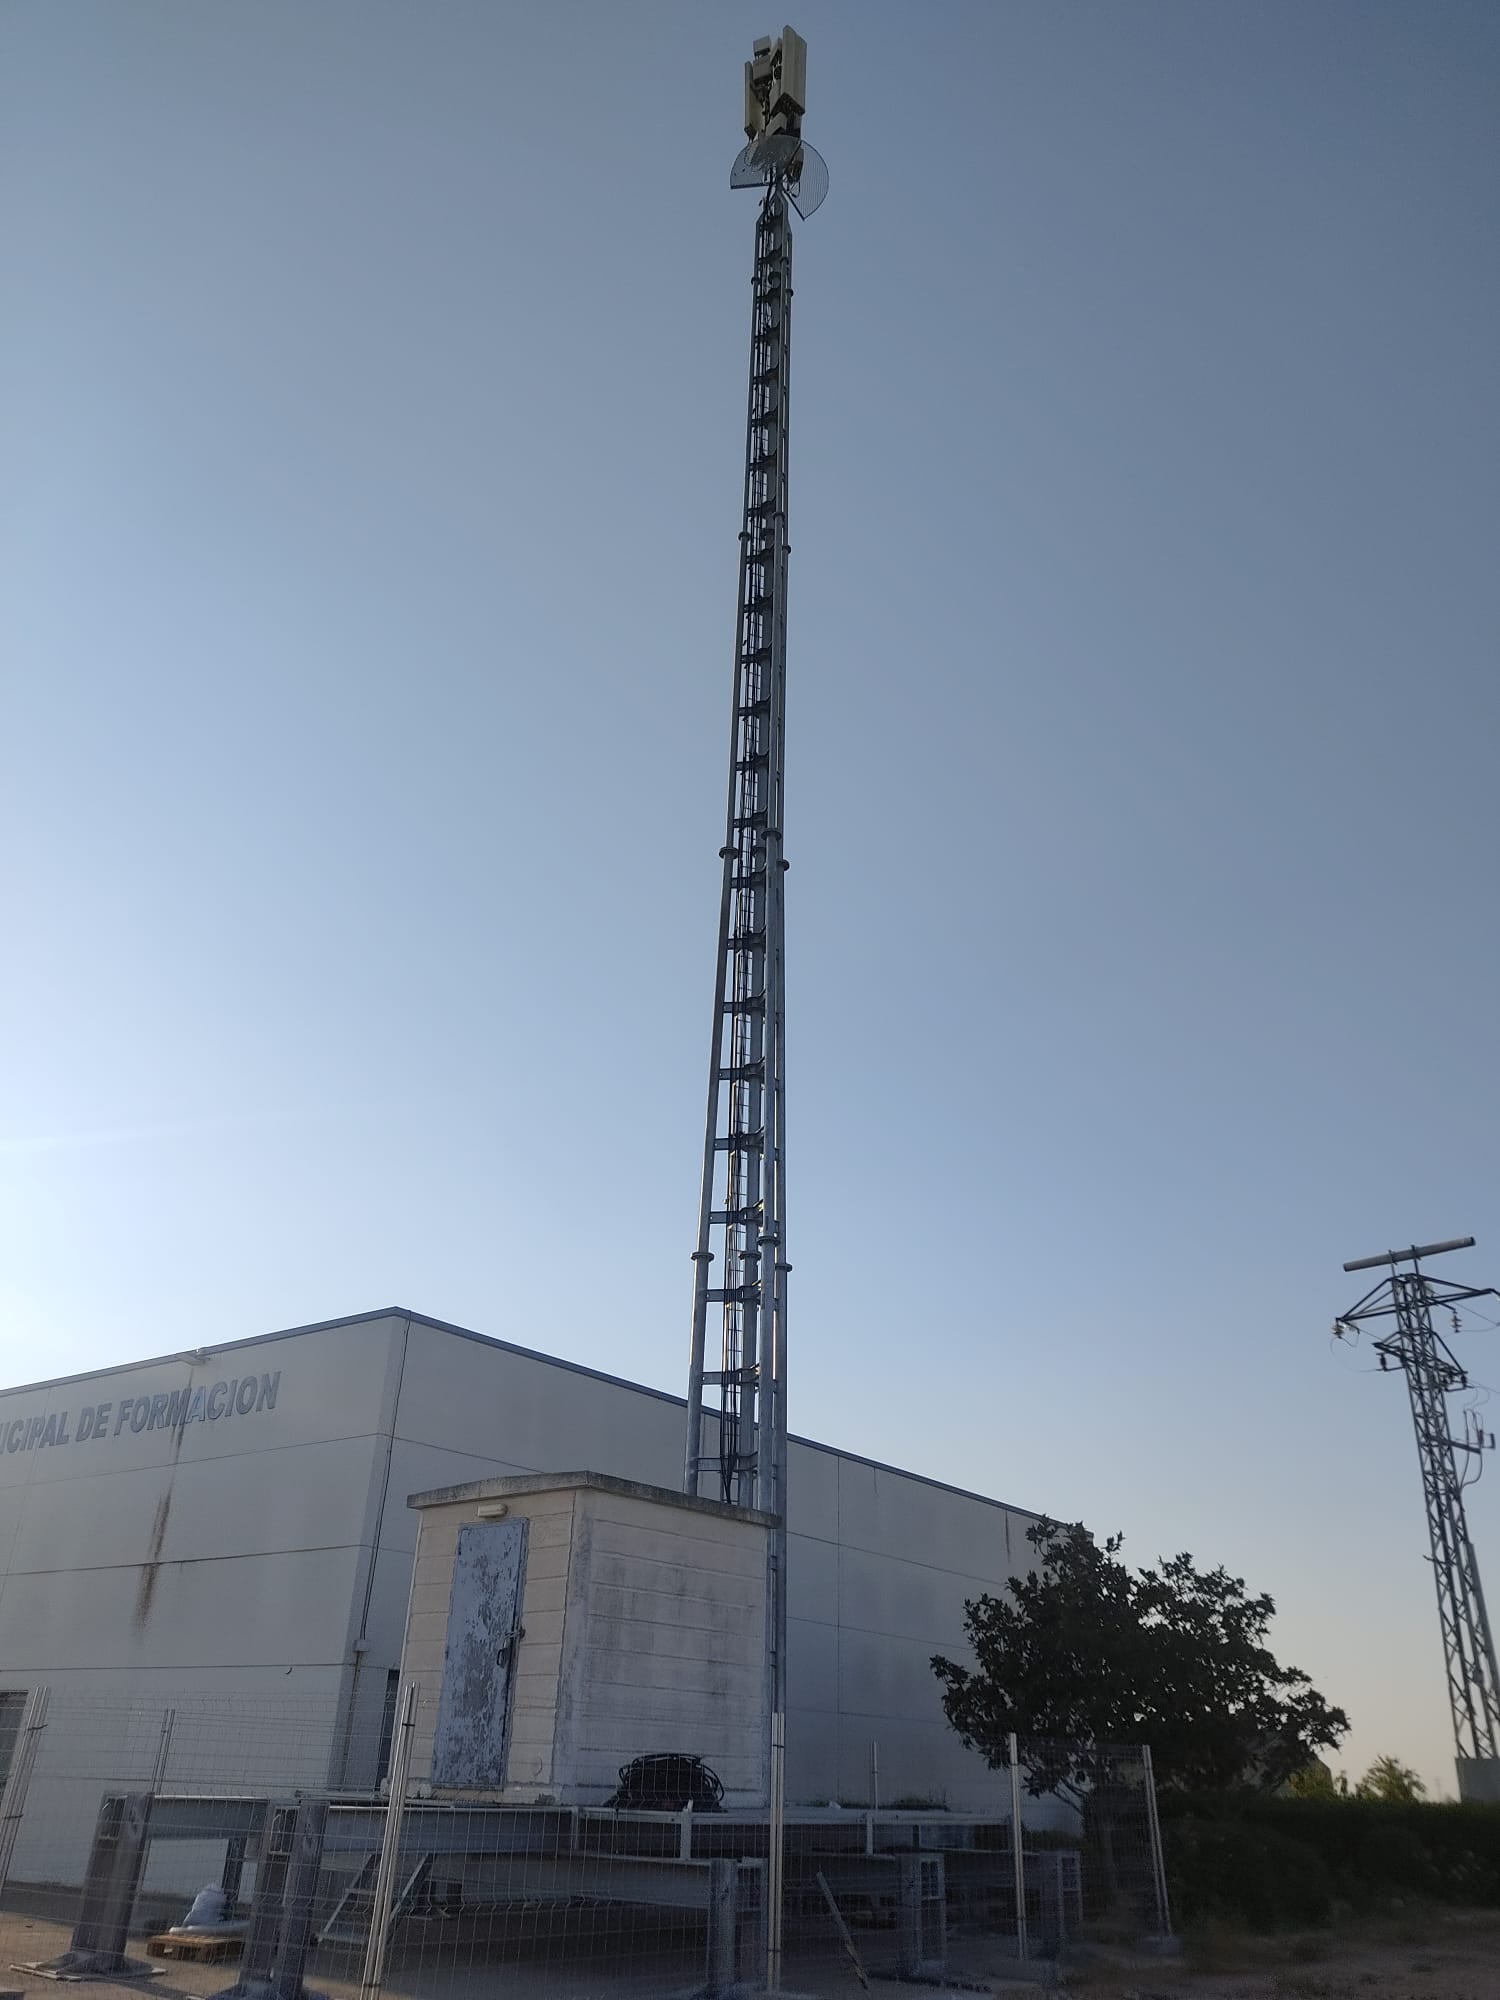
{"x": 267, "y": 1556}
{"x": 206, "y": 1562}
{"x": 879, "y": 1566}
{"x": 217, "y": 1551}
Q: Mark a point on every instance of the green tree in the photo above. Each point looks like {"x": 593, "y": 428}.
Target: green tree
{"x": 1391, "y": 1782}
{"x": 1316, "y": 1781}
{"x": 1084, "y": 1651}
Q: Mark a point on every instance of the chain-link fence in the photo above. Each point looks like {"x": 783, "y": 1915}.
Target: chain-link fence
{"x": 205, "y": 1842}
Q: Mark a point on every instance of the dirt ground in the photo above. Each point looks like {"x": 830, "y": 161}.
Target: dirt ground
{"x": 1439, "y": 1955}
{"x": 1446, "y": 1955}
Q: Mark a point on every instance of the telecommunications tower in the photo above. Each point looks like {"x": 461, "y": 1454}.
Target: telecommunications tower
{"x": 736, "y": 1426}
{"x": 1408, "y": 1297}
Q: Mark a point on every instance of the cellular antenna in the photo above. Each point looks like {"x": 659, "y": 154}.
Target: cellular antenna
{"x": 1408, "y": 1297}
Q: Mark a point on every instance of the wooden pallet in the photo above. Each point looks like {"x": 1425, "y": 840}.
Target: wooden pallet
{"x": 208, "y": 1950}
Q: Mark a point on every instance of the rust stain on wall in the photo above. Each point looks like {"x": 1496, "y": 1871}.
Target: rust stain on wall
{"x": 151, "y": 1567}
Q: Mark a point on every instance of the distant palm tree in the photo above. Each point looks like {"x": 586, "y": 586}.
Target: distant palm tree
{"x": 1391, "y": 1782}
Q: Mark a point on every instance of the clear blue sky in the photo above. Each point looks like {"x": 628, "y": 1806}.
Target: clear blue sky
{"x": 370, "y": 424}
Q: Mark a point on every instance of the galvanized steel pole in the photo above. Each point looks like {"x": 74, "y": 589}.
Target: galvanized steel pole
{"x": 1158, "y": 1857}
{"x": 373, "y": 1975}
{"x": 1018, "y": 1847}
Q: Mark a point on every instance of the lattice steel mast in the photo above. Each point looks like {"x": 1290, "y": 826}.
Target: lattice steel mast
{"x": 736, "y": 1434}
{"x": 742, "y": 1193}
{"x": 1432, "y": 1373}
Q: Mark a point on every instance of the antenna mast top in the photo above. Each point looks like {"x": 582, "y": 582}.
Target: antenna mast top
{"x": 775, "y": 98}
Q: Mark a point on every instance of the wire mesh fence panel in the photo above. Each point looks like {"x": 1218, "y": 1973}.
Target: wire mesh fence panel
{"x": 223, "y": 1836}
{"x": 882, "y": 1894}
{"x": 215, "y": 1835}
{"x": 1104, "y": 1876}
{"x": 132, "y": 1807}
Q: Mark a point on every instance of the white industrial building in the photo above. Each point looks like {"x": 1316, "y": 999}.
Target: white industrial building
{"x": 232, "y": 1524}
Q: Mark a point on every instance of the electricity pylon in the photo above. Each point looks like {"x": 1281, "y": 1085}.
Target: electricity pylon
{"x": 1409, "y": 1297}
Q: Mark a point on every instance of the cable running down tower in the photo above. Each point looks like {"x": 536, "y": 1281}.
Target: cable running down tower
{"x": 1409, "y": 1297}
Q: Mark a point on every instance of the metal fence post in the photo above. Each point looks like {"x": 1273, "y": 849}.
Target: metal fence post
{"x": 373, "y": 1974}
{"x": 723, "y": 1897}
{"x": 750, "y": 1925}
{"x": 1018, "y": 1846}
{"x": 776, "y": 1831}
{"x": 232, "y": 1880}
{"x": 116, "y": 1861}
{"x": 1158, "y": 1857}
{"x": 921, "y": 1916}
{"x": 163, "y": 1749}
{"x": 299, "y": 1894}
{"x": 13, "y": 1801}
{"x": 258, "y": 1958}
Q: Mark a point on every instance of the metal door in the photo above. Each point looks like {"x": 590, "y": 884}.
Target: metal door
{"x": 484, "y": 1610}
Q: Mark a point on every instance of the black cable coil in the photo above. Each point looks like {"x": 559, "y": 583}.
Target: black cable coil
{"x": 667, "y": 1781}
